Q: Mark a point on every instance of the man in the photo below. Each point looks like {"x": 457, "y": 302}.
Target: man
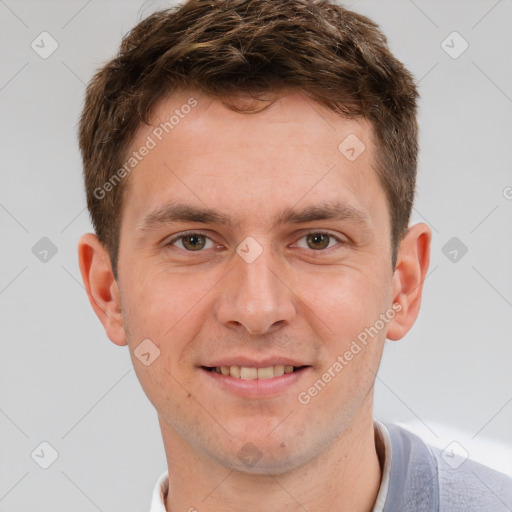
{"x": 250, "y": 172}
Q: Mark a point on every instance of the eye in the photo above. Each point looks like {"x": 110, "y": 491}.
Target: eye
{"x": 192, "y": 242}
{"x": 318, "y": 241}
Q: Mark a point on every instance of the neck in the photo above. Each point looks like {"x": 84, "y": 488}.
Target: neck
{"x": 344, "y": 477}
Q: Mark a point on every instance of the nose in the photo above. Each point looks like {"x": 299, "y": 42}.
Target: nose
{"x": 255, "y": 298}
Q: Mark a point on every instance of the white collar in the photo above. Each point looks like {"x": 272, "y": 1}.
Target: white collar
{"x": 383, "y": 433}
{"x": 160, "y": 493}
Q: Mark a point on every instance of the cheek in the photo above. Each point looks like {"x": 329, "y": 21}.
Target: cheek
{"x": 165, "y": 309}
{"x": 163, "y": 299}
{"x": 344, "y": 302}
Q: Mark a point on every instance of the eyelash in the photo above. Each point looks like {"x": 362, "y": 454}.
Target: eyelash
{"x": 330, "y": 235}
{"x": 184, "y": 235}
{"x": 190, "y": 233}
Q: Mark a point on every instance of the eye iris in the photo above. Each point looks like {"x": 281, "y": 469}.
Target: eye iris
{"x": 194, "y": 242}
{"x": 318, "y": 241}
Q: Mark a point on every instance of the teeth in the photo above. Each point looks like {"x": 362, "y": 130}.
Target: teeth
{"x": 246, "y": 373}
{"x": 279, "y": 370}
{"x": 265, "y": 373}
{"x": 234, "y": 371}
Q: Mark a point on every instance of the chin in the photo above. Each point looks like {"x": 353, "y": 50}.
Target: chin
{"x": 266, "y": 456}
{"x": 270, "y": 464}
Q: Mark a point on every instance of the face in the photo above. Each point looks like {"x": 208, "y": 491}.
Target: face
{"x": 251, "y": 245}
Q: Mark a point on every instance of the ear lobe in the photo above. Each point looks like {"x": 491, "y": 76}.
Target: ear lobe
{"x": 101, "y": 286}
{"x": 410, "y": 272}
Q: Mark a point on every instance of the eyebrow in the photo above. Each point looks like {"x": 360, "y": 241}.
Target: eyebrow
{"x": 336, "y": 211}
{"x": 178, "y": 212}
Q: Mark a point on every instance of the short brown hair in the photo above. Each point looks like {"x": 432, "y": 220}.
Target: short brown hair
{"x": 225, "y": 48}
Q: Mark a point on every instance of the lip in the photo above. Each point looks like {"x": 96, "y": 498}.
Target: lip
{"x": 253, "y": 363}
{"x": 256, "y": 388}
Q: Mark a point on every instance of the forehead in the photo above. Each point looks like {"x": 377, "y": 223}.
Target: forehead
{"x": 294, "y": 152}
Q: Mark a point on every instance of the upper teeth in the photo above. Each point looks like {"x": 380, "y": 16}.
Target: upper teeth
{"x": 244, "y": 372}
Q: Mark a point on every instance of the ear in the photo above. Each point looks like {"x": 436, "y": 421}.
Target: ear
{"x": 412, "y": 264}
{"x": 101, "y": 286}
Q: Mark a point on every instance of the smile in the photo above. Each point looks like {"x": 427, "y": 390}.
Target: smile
{"x": 257, "y": 382}
{"x": 251, "y": 373}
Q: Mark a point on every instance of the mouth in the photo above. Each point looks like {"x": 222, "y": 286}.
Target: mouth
{"x": 253, "y": 373}
{"x": 256, "y": 378}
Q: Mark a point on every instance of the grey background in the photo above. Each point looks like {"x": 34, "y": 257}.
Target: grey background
{"x": 62, "y": 381}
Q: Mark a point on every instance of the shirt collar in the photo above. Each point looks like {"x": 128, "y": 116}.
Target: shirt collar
{"x": 160, "y": 494}
{"x": 383, "y": 444}
{"x": 413, "y": 479}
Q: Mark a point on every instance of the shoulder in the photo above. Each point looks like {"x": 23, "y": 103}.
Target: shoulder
{"x": 432, "y": 479}
{"x": 468, "y": 485}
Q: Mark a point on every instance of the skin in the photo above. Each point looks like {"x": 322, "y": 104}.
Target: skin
{"x": 295, "y": 300}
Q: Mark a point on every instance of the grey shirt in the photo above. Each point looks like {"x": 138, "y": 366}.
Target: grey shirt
{"x": 425, "y": 479}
